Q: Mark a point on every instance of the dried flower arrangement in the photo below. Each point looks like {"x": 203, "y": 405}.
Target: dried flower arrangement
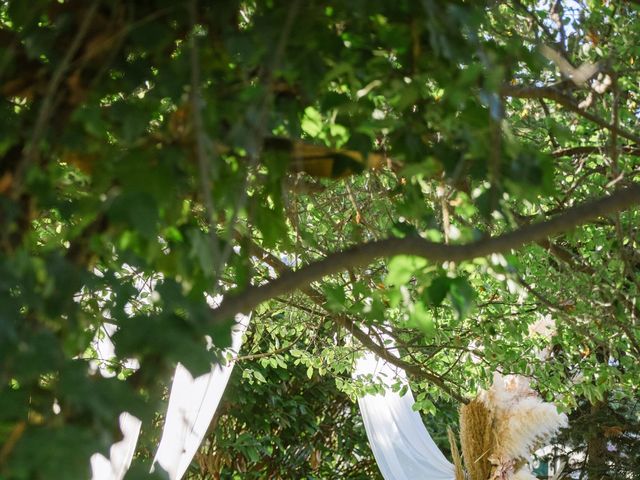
{"x": 503, "y": 426}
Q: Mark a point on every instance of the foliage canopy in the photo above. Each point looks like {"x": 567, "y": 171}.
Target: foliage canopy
{"x": 156, "y": 153}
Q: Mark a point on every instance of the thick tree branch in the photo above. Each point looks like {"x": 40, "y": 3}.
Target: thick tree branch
{"x": 362, "y": 336}
{"x": 589, "y": 149}
{"x": 567, "y": 102}
{"x": 410, "y": 368}
{"x": 362, "y": 255}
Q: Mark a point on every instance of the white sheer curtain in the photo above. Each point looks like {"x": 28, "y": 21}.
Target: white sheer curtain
{"x": 400, "y": 442}
{"x": 120, "y": 453}
{"x": 192, "y": 404}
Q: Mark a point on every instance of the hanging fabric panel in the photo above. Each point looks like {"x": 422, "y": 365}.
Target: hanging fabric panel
{"x": 399, "y": 440}
{"x": 192, "y": 404}
{"x": 120, "y": 453}
{"x": 401, "y": 444}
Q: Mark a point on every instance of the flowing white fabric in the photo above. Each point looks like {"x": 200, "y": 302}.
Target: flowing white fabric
{"x": 120, "y": 453}
{"x": 401, "y": 444}
{"x": 399, "y": 440}
{"x": 192, "y": 404}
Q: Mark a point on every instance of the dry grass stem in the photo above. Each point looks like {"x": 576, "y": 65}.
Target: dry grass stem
{"x": 477, "y": 439}
{"x": 455, "y": 455}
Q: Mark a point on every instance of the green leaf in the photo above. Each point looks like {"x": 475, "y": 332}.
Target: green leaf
{"x": 201, "y": 249}
{"x": 252, "y": 454}
{"x": 335, "y": 297}
{"x": 271, "y": 223}
{"x": 138, "y": 210}
{"x": 403, "y": 229}
{"x": 312, "y": 122}
{"x": 421, "y": 318}
{"x": 437, "y": 291}
{"x": 462, "y": 297}
{"x": 425, "y": 405}
{"x": 402, "y": 267}
{"x": 375, "y": 311}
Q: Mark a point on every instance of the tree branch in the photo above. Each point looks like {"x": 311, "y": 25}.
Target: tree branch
{"x": 363, "y": 337}
{"x": 31, "y": 153}
{"x": 362, "y": 255}
{"x": 385, "y": 354}
{"x": 567, "y": 102}
{"x": 589, "y": 149}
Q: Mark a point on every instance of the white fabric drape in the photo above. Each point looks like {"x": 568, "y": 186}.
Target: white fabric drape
{"x": 401, "y": 444}
{"x": 192, "y": 404}
{"x": 120, "y": 453}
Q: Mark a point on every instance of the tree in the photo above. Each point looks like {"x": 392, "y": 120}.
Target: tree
{"x": 457, "y": 173}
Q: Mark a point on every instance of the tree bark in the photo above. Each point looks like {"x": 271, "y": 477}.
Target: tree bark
{"x": 364, "y": 254}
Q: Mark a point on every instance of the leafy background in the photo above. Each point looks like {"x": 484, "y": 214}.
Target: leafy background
{"x": 158, "y": 142}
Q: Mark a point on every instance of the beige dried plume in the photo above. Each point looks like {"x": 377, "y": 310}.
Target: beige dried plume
{"x": 477, "y": 438}
{"x": 455, "y": 455}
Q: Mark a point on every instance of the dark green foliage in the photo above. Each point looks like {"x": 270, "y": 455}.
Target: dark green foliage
{"x": 147, "y": 162}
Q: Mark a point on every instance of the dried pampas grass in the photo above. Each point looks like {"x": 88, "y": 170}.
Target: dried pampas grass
{"x": 477, "y": 438}
{"x": 455, "y": 455}
{"x": 502, "y": 427}
{"x": 523, "y": 421}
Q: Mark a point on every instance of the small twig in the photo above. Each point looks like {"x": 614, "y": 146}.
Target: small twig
{"x": 547, "y": 114}
{"x": 354, "y": 203}
{"x": 567, "y": 102}
{"x": 589, "y": 149}
{"x": 202, "y": 143}
{"x": 256, "y": 149}
{"x": 444, "y": 205}
{"x": 31, "y": 150}
{"x": 255, "y": 356}
{"x": 10, "y": 442}
{"x": 614, "y": 131}
{"x": 495, "y": 154}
